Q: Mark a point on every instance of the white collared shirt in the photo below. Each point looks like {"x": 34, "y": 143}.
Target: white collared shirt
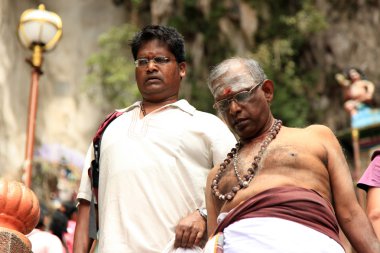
{"x": 152, "y": 173}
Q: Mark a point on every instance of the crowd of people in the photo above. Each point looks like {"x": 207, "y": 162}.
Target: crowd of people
{"x": 166, "y": 177}
{"x": 54, "y": 232}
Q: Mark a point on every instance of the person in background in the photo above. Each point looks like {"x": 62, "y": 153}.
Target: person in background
{"x": 370, "y": 182}
{"x": 42, "y": 240}
{"x": 154, "y": 159}
{"x": 280, "y": 189}
{"x": 357, "y": 91}
{"x": 58, "y": 226}
{"x": 70, "y": 210}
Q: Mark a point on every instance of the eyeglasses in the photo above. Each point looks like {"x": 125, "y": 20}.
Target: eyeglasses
{"x": 158, "y": 60}
{"x": 240, "y": 97}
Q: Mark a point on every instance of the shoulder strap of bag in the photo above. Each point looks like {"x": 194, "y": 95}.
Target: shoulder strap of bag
{"x": 94, "y": 169}
{"x": 93, "y": 172}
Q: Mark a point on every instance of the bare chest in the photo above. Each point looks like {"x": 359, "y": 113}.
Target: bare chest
{"x": 279, "y": 165}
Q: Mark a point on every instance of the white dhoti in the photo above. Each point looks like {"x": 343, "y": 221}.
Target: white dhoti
{"x": 274, "y": 235}
{"x": 284, "y": 219}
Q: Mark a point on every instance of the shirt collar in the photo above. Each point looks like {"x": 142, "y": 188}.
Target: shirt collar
{"x": 180, "y": 104}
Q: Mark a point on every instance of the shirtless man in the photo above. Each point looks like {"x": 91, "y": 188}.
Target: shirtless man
{"x": 281, "y": 189}
{"x": 357, "y": 90}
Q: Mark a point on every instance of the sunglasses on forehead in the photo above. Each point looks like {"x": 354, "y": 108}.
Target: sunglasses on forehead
{"x": 240, "y": 97}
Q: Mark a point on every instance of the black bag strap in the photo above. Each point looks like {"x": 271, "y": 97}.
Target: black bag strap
{"x": 93, "y": 172}
{"x": 94, "y": 169}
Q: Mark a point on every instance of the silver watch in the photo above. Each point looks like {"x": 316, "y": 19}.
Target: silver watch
{"x": 203, "y": 212}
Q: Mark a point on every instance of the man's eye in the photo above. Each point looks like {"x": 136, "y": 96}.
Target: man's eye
{"x": 242, "y": 96}
{"x": 143, "y": 61}
{"x": 160, "y": 60}
{"x": 225, "y": 104}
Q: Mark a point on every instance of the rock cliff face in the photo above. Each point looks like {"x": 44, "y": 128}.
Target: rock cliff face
{"x": 66, "y": 116}
{"x": 351, "y": 40}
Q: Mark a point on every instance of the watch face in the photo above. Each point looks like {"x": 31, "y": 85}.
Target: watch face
{"x": 203, "y": 212}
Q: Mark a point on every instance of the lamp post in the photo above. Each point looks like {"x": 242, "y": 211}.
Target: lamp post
{"x": 39, "y": 30}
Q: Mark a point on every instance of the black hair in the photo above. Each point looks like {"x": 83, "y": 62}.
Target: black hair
{"x": 168, "y": 35}
{"x": 346, "y": 73}
{"x": 69, "y": 208}
{"x": 43, "y": 213}
{"x": 58, "y": 224}
{"x": 41, "y": 221}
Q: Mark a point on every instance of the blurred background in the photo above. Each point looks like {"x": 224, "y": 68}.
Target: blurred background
{"x": 301, "y": 45}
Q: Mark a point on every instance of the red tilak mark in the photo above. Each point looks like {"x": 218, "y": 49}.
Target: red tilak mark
{"x": 227, "y": 91}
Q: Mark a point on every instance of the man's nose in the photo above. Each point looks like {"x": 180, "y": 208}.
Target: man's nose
{"x": 151, "y": 65}
{"x": 234, "y": 107}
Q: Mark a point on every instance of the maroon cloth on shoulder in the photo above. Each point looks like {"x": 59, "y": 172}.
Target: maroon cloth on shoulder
{"x": 297, "y": 204}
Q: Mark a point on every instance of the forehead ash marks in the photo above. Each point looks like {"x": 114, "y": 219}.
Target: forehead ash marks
{"x": 230, "y": 82}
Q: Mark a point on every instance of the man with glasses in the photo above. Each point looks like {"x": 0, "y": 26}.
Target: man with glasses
{"x": 154, "y": 158}
{"x": 280, "y": 189}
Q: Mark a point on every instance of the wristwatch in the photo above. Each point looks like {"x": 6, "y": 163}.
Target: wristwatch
{"x": 203, "y": 212}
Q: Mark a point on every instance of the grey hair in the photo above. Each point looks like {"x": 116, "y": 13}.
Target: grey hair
{"x": 219, "y": 71}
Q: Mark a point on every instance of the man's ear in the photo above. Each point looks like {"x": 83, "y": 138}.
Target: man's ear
{"x": 268, "y": 89}
{"x": 182, "y": 69}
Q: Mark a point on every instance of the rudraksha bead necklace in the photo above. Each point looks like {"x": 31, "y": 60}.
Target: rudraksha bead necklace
{"x": 243, "y": 181}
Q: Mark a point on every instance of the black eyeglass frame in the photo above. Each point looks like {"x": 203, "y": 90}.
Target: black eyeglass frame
{"x": 227, "y": 101}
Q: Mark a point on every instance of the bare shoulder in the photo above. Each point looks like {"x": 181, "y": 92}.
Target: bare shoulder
{"x": 311, "y": 130}
{"x": 364, "y": 82}
{"x": 311, "y": 135}
{"x": 319, "y": 129}
{"x": 323, "y": 135}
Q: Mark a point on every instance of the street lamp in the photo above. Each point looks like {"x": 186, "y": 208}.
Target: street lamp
{"x": 39, "y": 30}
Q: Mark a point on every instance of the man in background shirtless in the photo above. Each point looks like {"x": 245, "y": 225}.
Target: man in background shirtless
{"x": 357, "y": 91}
{"x": 280, "y": 189}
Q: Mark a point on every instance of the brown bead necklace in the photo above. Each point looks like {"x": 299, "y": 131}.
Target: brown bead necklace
{"x": 243, "y": 181}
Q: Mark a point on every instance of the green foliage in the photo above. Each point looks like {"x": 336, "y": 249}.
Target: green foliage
{"x": 214, "y": 49}
{"x": 284, "y": 30}
{"x": 289, "y": 104}
{"x": 281, "y": 42}
{"x": 112, "y": 68}
{"x": 136, "y": 2}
